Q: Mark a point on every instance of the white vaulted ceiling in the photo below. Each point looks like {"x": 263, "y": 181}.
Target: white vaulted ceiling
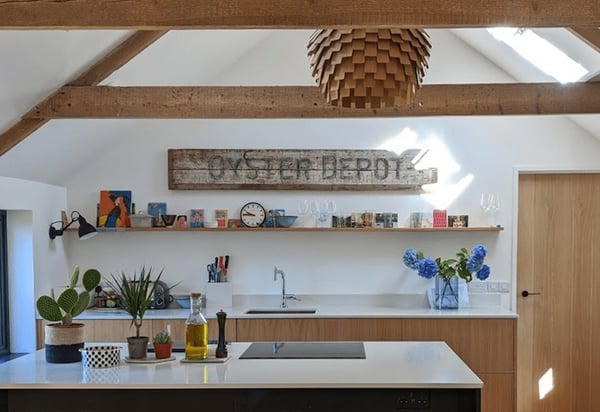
{"x": 36, "y": 63}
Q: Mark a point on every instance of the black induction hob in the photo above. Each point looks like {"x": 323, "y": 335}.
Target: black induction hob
{"x": 304, "y": 350}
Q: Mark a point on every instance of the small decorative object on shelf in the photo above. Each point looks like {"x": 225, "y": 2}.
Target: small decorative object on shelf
{"x": 447, "y": 272}
{"x": 440, "y": 218}
{"x": 196, "y": 217}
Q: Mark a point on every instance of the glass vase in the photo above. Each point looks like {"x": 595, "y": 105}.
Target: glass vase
{"x": 446, "y": 292}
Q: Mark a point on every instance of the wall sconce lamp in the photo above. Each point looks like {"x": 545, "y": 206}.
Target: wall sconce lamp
{"x": 86, "y": 230}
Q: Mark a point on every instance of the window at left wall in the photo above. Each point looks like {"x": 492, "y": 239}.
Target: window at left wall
{"x": 4, "y": 343}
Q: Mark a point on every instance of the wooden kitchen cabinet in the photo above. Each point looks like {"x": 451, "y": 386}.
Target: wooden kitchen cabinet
{"x": 486, "y": 345}
{"x": 178, "y": 328}
{"x": 105, "y": 330}
{"x": 314, "y": 329}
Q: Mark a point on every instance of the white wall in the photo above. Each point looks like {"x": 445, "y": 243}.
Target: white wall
{"x": 34, "y": 262}
{"x": 485, "y": 148}
{"x": 91, "y": 155}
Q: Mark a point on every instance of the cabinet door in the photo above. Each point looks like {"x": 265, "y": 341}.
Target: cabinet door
{"x": 113, "y": 330}
{"x": 486, "y": 345}
{"x": 255, "y": 330}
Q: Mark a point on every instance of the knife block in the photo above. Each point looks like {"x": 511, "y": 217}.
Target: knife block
{"x": 219, "y": 294}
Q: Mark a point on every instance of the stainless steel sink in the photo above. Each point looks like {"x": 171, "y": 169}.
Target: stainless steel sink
{"x": 280, "y": 311}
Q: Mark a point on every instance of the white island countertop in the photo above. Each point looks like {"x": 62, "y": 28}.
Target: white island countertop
{"x": 387, "y": 365}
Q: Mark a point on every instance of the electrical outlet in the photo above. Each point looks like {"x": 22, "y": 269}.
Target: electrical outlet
{"x": 493, "y": 287}
{"x": 478, "y": 287}
{"x": 504, "y": 287}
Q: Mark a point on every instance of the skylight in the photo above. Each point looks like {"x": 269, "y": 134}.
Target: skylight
{"x": 541, "y": 53}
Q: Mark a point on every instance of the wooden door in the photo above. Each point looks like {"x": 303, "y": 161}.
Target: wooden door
{"x": 558, "y": 257}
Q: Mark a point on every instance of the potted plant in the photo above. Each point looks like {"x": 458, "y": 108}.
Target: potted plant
{"x": 135, "y": 296}
{"x": 162, "y": 345}
{"x": 64, "y": 338}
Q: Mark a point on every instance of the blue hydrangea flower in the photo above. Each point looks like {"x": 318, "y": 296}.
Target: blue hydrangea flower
{"x": 479, "y": 252}
{"x": 475, "y": 261}
{"x": 428, "y": 268}
{"x": 410, "y": 259}
{"x": 483, "y": 273}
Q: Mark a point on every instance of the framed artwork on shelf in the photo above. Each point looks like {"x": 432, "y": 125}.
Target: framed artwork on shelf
{"x": 196, "y": 217}
{"x": 156, "y": 210}
{"x": 458, "y": 220}
{"x": 114, "y": 208}
{"x": 221, "y": 217}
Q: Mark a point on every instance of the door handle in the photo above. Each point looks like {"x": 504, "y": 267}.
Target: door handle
{"x": 526, "y": 293}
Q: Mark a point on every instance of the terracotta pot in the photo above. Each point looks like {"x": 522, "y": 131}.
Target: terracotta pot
{"x": 162, "y": 350}
{"x": 62, "y": 343}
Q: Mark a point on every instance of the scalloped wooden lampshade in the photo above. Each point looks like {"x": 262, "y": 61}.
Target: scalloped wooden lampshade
{"x": 369, "y": 68}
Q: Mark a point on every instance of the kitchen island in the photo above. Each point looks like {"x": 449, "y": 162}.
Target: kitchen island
{"x": 393, "y": 376}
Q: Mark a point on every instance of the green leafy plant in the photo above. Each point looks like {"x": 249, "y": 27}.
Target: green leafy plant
{"x": 135, "y": 294}
{"x": 162, "y": 337}
{"x": 69, "y": 303}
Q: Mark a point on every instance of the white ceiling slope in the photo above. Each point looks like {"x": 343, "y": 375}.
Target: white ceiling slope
{"x": 35, "y": 63}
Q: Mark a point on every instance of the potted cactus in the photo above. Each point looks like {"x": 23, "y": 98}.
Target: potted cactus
{"x": 64, "y": 338}
{"x": 135, "y": 295}
{"x": 162, "y": 344}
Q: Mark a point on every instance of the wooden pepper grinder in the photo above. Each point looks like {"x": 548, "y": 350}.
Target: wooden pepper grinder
{"x": 221, "y": 347}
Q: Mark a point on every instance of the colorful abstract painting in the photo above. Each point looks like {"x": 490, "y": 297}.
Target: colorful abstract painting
{"x": 114, "y": 208}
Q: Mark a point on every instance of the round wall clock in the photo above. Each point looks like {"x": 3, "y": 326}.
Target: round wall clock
{"x": 253, "y": 214}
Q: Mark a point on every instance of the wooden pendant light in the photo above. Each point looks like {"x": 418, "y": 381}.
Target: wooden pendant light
{"x": 369, "y": 68}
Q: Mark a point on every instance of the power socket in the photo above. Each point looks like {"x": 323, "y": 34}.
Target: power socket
{"x": 492, "y": 287}
{"x": 478, "y": 287}
{"x": 504, "y": 287}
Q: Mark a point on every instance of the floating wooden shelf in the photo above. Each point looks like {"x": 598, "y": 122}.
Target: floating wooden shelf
{"x": 302, "y": 229}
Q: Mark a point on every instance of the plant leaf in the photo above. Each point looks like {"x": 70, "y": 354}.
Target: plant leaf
{"x": 67, "y": 299}
{"x": 91, "y": 279}
{"x": 82, "y": 303}
{"x": 74, "y": 277}
{"x": 48, "y": 309}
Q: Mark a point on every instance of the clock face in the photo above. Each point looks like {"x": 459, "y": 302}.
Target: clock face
{"x": 253, "y": 214}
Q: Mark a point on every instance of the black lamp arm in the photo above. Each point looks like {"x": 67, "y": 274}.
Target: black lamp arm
{"x": 53, "y": 233}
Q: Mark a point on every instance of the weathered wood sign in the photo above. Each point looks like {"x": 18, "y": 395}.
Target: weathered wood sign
{"x": 193, "y": 169}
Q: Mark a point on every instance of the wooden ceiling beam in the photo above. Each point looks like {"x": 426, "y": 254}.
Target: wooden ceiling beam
{"x": 293, "y": 14}
{"x": 207, "y": 102}
{"x": 108, "y": 64}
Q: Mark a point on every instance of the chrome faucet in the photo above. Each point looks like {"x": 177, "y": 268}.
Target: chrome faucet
{"x": 284, "y": 296}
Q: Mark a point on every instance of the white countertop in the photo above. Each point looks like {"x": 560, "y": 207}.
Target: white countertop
{"x": 322, "y": 311}
{"x": 387, "y": 365}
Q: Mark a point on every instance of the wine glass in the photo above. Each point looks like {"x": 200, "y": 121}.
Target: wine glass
{"x": 490, "y": 204}
{"x": 303, "y": 211}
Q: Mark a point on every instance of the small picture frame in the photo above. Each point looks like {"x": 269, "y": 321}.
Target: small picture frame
{"x": 156, "y": 210}
{"x": 221, "y": 217}
{"x": 458, "y": 221}
{"x": 234, "y": 223}
{"x": 196, "y": 218}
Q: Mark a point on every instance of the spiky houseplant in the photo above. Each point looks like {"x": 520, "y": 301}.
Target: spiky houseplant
{"x": 135, "y": 294}
{"x": 64, "y": 338}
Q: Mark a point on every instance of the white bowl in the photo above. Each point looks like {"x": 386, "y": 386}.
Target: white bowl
{"x": 182, "y": 300}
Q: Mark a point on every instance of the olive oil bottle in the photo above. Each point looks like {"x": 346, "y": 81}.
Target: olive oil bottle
{"x": 196, "y": 331}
